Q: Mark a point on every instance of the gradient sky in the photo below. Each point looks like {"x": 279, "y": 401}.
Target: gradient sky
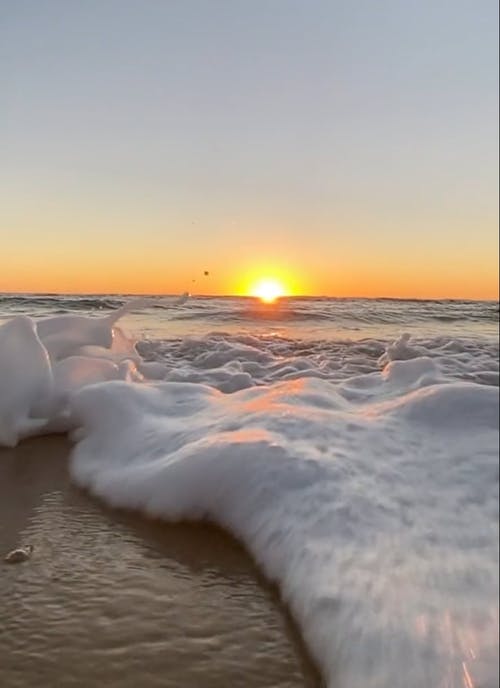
{"x": 347, "y": 148}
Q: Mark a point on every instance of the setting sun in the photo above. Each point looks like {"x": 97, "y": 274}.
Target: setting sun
{"x": 268, "y": 290}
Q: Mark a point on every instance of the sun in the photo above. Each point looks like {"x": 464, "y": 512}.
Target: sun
{"x": 268, "y": 289}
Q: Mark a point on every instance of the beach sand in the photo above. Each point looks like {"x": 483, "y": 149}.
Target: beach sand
{"x": 110, "y": 598}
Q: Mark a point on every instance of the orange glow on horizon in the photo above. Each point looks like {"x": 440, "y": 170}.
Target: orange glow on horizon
{"x": 96, "y": 273}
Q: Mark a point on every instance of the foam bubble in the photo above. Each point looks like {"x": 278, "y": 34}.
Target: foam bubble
{"x": 373, "y": 519}
{"x": 43, "y": 362}
{"x": 26, "y": 378}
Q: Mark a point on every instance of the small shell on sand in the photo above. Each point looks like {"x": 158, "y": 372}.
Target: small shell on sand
{"x": 19, "y": 555}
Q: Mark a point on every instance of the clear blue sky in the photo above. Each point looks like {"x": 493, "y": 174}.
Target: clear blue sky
{"x": 345, "y": 147}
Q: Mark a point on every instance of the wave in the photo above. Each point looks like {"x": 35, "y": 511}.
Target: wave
{"x": 363, "y": 477}
{"x": 360, "y": 311}
{"x": 286, "y": 310}
{"x": 61, "y": 303}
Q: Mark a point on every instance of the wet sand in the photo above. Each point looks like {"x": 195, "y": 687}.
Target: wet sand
{"x": 110, "y": 598}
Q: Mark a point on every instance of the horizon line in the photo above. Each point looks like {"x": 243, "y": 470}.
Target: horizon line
{"x": 249, "y": 296}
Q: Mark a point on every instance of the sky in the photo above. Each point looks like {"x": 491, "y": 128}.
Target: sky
{"x": 342, "y": 148}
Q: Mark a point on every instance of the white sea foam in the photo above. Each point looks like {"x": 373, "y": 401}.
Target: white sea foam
{"x": 363, "y": 477}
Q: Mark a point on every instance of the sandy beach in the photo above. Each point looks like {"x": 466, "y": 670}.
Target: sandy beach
{"x": 110, "y": 598}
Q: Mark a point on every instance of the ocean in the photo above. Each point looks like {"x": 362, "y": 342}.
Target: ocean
{"x": 349, "y": 445}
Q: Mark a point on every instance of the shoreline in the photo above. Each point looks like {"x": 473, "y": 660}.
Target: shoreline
{"x": 111, "y": 597}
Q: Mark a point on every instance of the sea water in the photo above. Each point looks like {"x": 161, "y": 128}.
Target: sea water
{"x": 350, "y": 445}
